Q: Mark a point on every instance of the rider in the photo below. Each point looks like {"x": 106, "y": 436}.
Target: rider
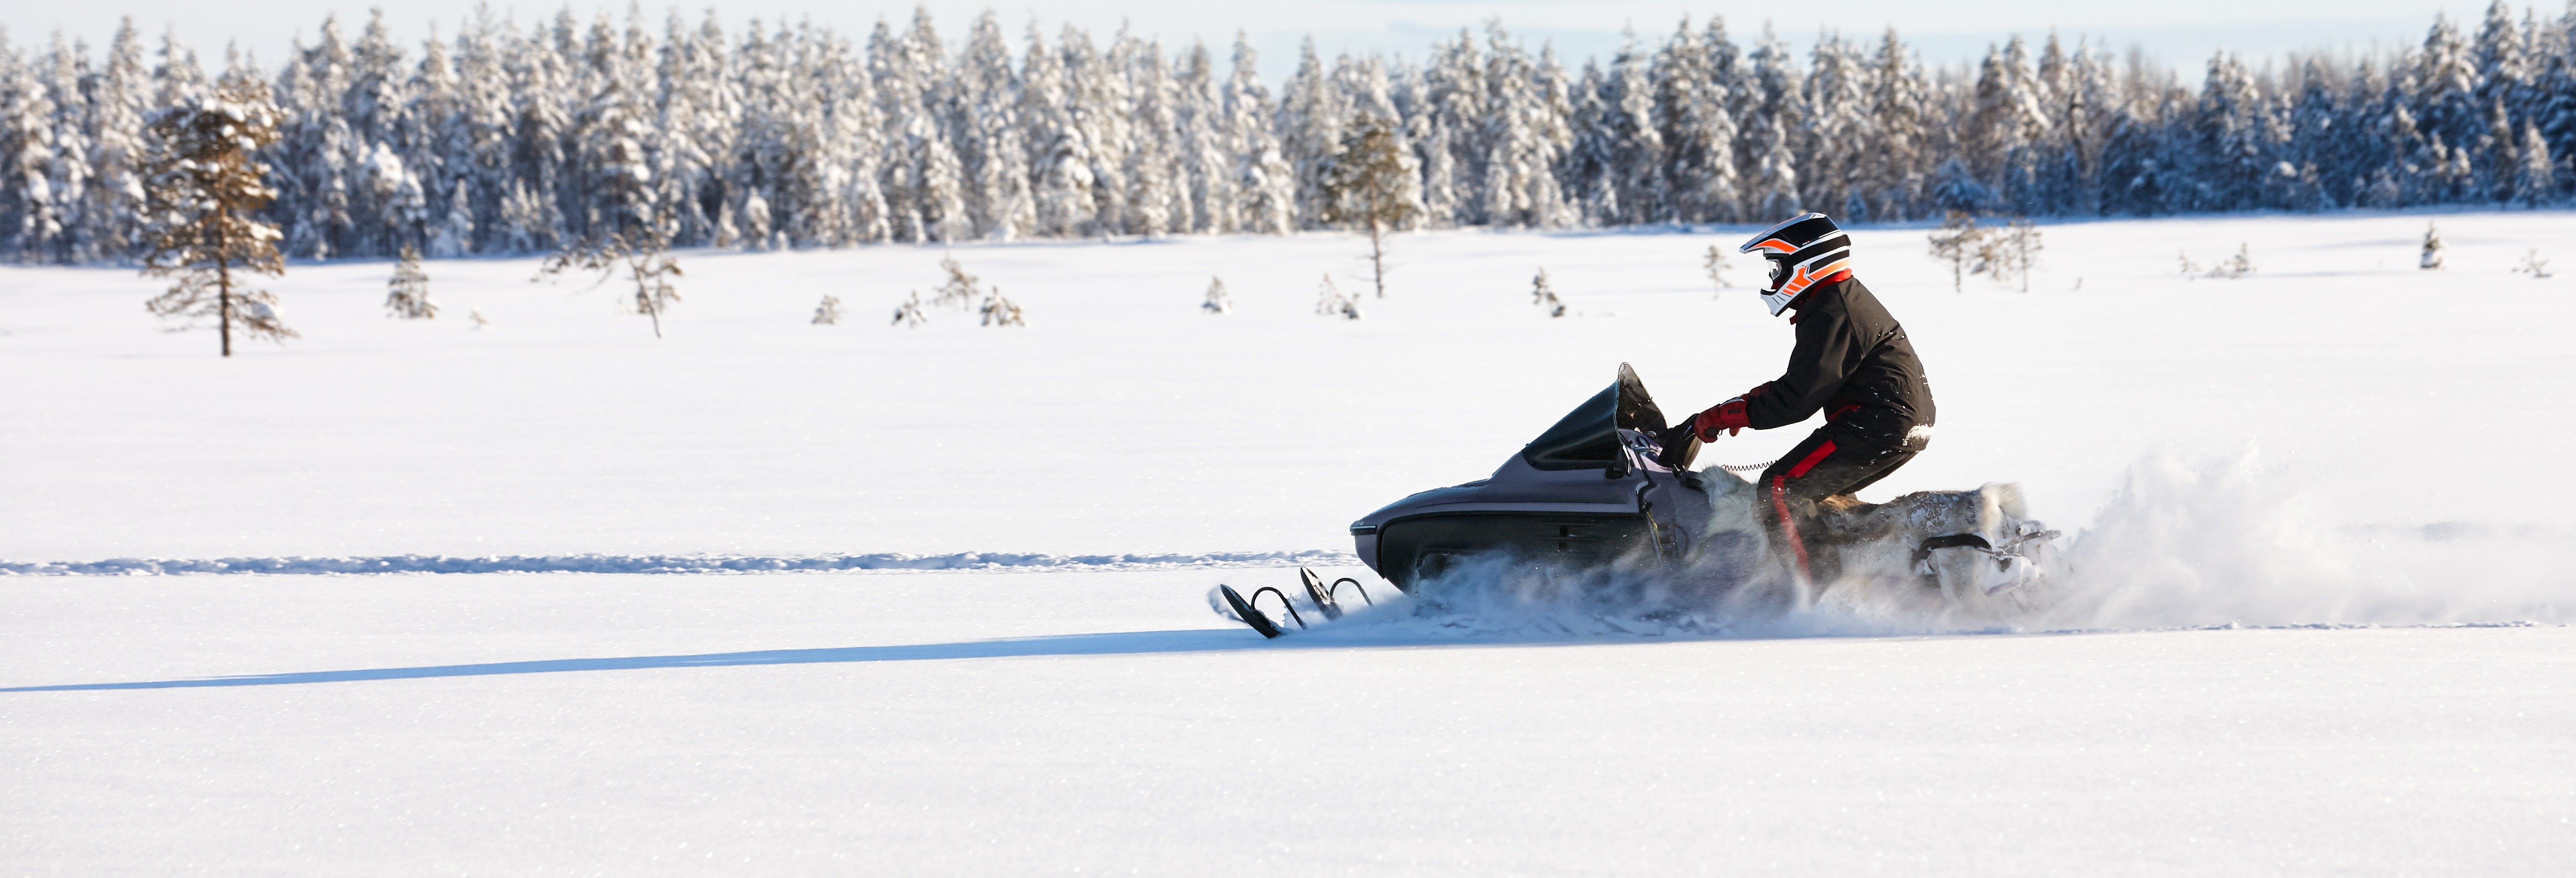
{"x": 1852, "y": 361}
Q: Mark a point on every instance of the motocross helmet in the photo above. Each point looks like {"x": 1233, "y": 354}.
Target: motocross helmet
{"x": 1803, "y": 250}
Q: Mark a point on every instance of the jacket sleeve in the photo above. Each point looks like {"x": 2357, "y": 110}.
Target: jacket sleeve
{"x": 1818, "y": 366}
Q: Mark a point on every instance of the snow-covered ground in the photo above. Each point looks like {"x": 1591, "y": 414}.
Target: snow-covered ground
{"x": 2338, "y": 440}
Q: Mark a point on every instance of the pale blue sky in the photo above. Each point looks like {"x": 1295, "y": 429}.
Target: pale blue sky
{"x": 2180, "y": 32}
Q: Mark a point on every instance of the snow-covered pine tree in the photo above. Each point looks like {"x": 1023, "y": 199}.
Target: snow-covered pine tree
{"x": 828, "y": 311}
{"x": 1265, "y": 181}
{"x": 117, "y": 151}
{"x": 1590, "y": 166}
{"x": 176, "y": 75}
{"x": 1691, "y": 98}
{"x": 2431, "y": 257}
{"x": 1554, "y": 107}
{"x": 695, "y": 130}
{"x": 65, "y": 72}
{"x": 1097, "y": 103}
{"x": 1714, "y": 263}
{"x": 927, "y": 181}
{"x": 2005, "y": 120}
{"x": 1899, "y": 145}
{"x": 2501, "y": 54}
{"x": 543, "y": 80}
{"x": 852, "y": 151}
{"x": 1525, "y": 138}
{"x": 2444, "y": 98}
{"x": 442, "y": 151}
{"x": 388, "y": 206}
{"x": 1207, "y": 157}
{"x": 1059, "y": 160}
{"x": 617, "y": 172}
{"x": 30, "y": 222}
{"x": 1772, "y": 105}
{"x": 204, "y": 188}
{"x": 996, "y": 157}
{"x": 399, "y": 210}
{"x": 2229, "y": 135}
{"x": 1155, "y": 195}
{"x": 759, "y": 175}
{"x": 1636, "y": 149}
{"x": 407, "y": 292}
{"x": 1448, "y": 125}
{"x": 480, "y": 140}
{"x": 1835, "y": 105}
{"x": 1310, "y": 124}
{"x": 1369, "y": 185}
{"x": 2535, "y": 179}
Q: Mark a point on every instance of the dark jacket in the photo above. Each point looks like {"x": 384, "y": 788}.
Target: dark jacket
{"x": 1853, "y": 362}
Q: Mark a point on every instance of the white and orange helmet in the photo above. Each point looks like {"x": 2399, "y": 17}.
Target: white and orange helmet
{"x": 1804, "y": 250}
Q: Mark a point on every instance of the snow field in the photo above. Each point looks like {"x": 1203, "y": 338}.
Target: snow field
{"x": 1018, "y": 723}
{"x": 1126, "y": 420}
{"x": 2336, "y": 440}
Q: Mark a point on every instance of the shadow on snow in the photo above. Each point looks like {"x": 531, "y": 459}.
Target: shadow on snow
{"x": 1118, "y": 643}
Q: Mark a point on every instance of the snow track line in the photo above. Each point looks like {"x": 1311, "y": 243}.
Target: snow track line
{"x": 292, "y": 565}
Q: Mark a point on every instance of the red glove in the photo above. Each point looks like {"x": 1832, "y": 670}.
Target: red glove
{"x": 1728, "y": 416}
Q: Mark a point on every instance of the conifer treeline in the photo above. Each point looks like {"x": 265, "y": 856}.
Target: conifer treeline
{"x": 510, "y": 139}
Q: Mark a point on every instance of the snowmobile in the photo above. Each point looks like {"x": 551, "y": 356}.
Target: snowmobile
{"x": 1592, "y": 493}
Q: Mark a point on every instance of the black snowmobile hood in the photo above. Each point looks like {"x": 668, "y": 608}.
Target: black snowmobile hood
{"x": 1581, "y": 464}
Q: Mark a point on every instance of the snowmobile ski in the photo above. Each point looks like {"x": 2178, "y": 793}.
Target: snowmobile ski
{"x": 1243, "y": 610}
{"x": 1322, "y": 596}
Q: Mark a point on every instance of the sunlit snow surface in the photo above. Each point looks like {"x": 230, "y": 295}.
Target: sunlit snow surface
{"x": 794, "y": 599}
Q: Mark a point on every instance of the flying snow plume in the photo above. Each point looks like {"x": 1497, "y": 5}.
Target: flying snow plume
{"x": 2181, "y": 544}
{"x": 2214, "y": 543}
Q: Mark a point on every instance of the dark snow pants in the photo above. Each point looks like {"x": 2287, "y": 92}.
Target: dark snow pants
{"x": 1829, "y": 462}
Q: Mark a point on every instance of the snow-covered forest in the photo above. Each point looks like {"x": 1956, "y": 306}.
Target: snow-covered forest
{"x": 515, "y": 138}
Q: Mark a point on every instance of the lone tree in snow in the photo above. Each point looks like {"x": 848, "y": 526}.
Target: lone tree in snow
{"x": 407, "y": 294}
{"x": 1217, "y": 301}
{"x": 960, "y": 290}
{"x": 1545, "y": 297}
{"x": 1960, "y": 241}
{"x": 2010, "y": 254}
{"x": 909, "y": 314}
{"x": 2233, "y": 267}
{"x": 828, "y": 312}
{"x": 999, "y": 311}
{"x": 1331, "y": 302}
{"x": 2432, "y": 257}
{"x": 1715, "y": 264}
{"x": 641, "y": 254}
{"x": 202, "y": 192}
{"x": 2533, "y": 265}
{"x": 1371, "y": 182}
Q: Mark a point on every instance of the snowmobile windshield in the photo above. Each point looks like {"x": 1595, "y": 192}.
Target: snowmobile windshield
{"x": 1588, "y": 437}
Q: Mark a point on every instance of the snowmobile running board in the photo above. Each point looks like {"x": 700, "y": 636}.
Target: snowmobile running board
{"x": 1323, "y": 595}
